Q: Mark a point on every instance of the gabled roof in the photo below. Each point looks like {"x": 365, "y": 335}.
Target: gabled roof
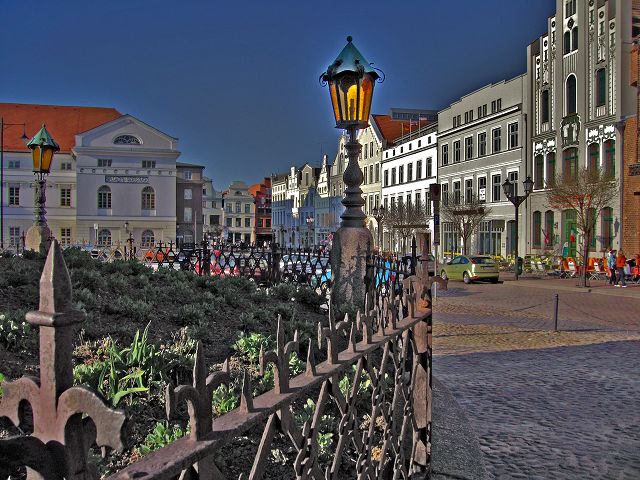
{"x": 63, "y": 122}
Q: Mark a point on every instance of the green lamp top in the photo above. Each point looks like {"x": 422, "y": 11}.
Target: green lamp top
{"x": 350, "y": 60}
{"x": 43, "y": 139}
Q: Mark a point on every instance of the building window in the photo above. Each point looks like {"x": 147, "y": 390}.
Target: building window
{"x": 247, "y": 222}
{"x": 571, "y": 94}
{"x": 549, "y": 225}
{"x": 496, "y": 137}
{"x": 188, "y": 194}
{"x": 148, "y": 238}
{"x": 365, "y": 151}
{"x": 551, "y": 168}
{"x": 259, "y": 223}
{"x": 214, "y": 219}
{"x": 104, "y": 162}
{"x": 418, "y": 169}
{"x": 238, "y": 208}
{"x": 570, "y": 164}
{"x": 569, "y": 8}
{"x": 247, "y": 208}
{"x": 610, "y": 158}
{"x": 482, "y": 189}
{"x": 187, "y": 175}
{"x": 14, "y": 236}
{"x": 513, "y": 135}
{"x": 65, "y": 197}
{"x": 593, "y": 157}
{"x": 566, "y": 48}
{"x": 482, "y": 144}
{"x": 444, "y": 193}
{"x": 371, "y": 149}
{"x": 238, "y": 222}
{"x": 148, "y": 198}
{"x": 377, "y": 172}
{"x": 450, "y": 238}
{"x": 370, "y": 173}
{"x": 386, "y": 178}
{"x": 606, "y": 227}
{"x": 468, "y": 148}
{"x": 574, "y": 38}
{"x": 14, "y": 196}
{"x": 104, "y": 197}
{"x": 410, "y": 172}
{"x": 456, "y": 151}
{"x": 429, "y": 167}
{"x": 63, "y": 166}
{"x": 393, "y": 176}
{"x": 188, "y": 215}
{"x": 126, "y": 140}
{"x": 496, "y": 187}
{"x": 538, "y": 172}
{"x": 14, "y": 164}
{"x": 544, "y": 106}
{"x": 401, "y": 174}
{"x": 104, "y": 237}
{"x": 148, "y": 164}
{"x": 456, "y": 193}
{"x": 537, "y": 229}
{"x": 468, "y": 190}
{"x": 601, "y": 87}
{"x": 445, "y": 154}
{"x": 229, "y": 222}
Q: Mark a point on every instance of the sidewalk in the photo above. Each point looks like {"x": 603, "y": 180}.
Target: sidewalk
{"x": 572, "y": 285}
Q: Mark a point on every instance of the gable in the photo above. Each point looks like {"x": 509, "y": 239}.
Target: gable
{"x": 126, "y": 132}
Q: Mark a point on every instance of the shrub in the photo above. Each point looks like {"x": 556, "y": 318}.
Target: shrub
{"x": 162, "y": 435}
{"x": 2, "y": 379}
{"x": 133, "y": 309}
{"x": 224, "y": 399}
{"x": 15, "y": 333}
{"x": 248, "y": 346}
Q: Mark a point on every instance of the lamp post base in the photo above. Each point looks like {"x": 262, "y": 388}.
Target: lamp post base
{"x": 351, "y": 246}
{"x": 38, "y": 239}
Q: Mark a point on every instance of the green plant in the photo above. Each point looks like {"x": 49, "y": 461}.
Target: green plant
{"x": 1, "y": 380}
{"x": 325, "y": 430}
{"x": 224, "y": 399}
{"x": 162, "y": 435}
{"x": 15, "y": 334}
{"x": 248, "y": 346}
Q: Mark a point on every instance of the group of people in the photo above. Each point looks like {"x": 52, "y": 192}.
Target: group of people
{"x": 617, "y": 263}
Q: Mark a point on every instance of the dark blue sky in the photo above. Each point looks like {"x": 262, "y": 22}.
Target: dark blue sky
{"x": 237, "y": 82}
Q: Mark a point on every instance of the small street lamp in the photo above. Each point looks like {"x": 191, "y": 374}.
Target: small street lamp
{"x": 511, "y": 191}
{"x": 131, "y": 254}
{"x": 378, "y": 214}
{"x": 42, "y": 146}
{"x": 310, "y": 220}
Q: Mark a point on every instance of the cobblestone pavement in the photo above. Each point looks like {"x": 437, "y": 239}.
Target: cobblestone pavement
{"x": 552, "y": 413}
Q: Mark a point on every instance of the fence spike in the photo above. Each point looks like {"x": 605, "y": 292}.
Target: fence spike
{"x": 352, "y": 338}
{"x": 311, "y": 360}
{"x": 246, "y": 395}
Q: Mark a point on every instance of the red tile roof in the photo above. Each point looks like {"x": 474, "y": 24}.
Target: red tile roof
{"x": 62, "y": 122}
{"x": 393, "y": 129}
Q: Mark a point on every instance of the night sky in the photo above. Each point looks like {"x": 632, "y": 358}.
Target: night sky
{"x": 237, "y": 82}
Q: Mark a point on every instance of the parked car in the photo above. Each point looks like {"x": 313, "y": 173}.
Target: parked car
{"x": 470, "y": 268}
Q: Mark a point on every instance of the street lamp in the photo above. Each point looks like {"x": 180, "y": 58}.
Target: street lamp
{"x": 24, "y": 137}
{"x": 378, "y": 214}
{"x": 511, "y": 191}
{"x": 42, "y": 146}
{"x": 310, "y": 221}
{"x": 351, "y": 80}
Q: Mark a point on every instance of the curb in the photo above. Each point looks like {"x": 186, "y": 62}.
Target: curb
{"x": 455, "y": 453}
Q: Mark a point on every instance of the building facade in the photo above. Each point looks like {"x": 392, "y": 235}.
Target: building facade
{"x": 212, "y": 211}
{"x": 580, "y": 98}
{"x": 370, "y": 160}
{"x": 189, "y": 203}
{"x": 262, "y": 197}
{"x": 281, "y": 208}
{"x": 239, "y": 214}
{"x": 114, "y": 176}
{"x": 481, "y": 143}
{"x": 409, "y": 167}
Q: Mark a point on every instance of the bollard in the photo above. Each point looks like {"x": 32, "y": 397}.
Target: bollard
{"x": 555, "y": 312}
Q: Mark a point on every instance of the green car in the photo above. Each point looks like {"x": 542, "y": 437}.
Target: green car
{"x": 468, "y": 269}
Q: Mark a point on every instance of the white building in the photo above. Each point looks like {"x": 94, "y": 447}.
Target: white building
{"x": 212, "y": 212}
{"x": 409, "y": 167}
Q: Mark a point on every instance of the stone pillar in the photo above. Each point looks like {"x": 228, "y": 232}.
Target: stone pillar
{"x": 352, "y": 242}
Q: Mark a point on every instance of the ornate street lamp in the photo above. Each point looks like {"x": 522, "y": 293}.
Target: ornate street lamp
{"x": 351, "y": 80}
{"x": 310, "y": 221}
{"x": 378, "y": 214}
{"x": 511, "y": 191}
{"x": 42, "y": 146}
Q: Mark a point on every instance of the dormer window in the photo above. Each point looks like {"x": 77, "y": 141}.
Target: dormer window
{"x": 126, "y": 140}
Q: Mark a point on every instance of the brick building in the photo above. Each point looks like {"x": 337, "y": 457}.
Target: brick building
{"x": 261, "y": 193}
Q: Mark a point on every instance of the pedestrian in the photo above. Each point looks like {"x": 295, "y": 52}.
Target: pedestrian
{"x": 621, "y": 262}
{"x": 611, "y": 263}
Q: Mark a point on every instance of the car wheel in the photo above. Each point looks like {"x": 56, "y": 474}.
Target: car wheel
{"x": 466, "y": 278}
{"x": 494, "y": 280}
{"x": 443, "y": 275}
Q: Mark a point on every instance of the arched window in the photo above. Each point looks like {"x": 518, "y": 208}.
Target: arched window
{"x": 610, "y": 158}
{"x": 148, "y": 239}
{"x": 104, "y": 197}
{"x": 574, "y": 39}
{"x": 544, "y": 106}
{"x": 570, "y": 163}
{"x": 594, "y": 157}
{"x": 126, "y": 140}
{"x": 571, "y": 94}
{"x": 567, "y": 42}
{"x": 606, "y": 227}
{"x": 549, "y": 225}
{"x": 537, "y": 229}
{"x": 148, "y": 198}
{"x": 104, "y": 237}
{"x": 601, "y": 87}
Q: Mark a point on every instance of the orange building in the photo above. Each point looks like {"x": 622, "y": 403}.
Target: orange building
{"x": 261, "y": 193}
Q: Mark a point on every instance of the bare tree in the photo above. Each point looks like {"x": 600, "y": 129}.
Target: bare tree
{"x": 587, "y": 192}
{"x": 404, "y": 218}
{"x": 465, "y": 215}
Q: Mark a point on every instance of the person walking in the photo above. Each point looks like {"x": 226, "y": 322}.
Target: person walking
{"x": 621, "y": 262}
{"x": 611, "y": 263}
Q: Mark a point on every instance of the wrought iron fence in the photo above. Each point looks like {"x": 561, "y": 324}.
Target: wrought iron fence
{"x": 385, "y": 353}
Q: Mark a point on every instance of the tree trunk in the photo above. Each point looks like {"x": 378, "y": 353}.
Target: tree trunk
{"x": 585, "y": 258}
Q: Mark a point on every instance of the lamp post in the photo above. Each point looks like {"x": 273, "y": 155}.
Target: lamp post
{"x": 42, "y": 146}
{"x": 24, "y": 137}
{"x": 310, "y": 220}
{"x": 511, "y": 191}
{"x": 378, "y": 214}
{"x": 129, "y": 240}
{"x": 351, "y": 80}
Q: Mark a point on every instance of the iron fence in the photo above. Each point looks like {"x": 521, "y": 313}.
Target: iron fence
{"x": 385, "y": 352}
